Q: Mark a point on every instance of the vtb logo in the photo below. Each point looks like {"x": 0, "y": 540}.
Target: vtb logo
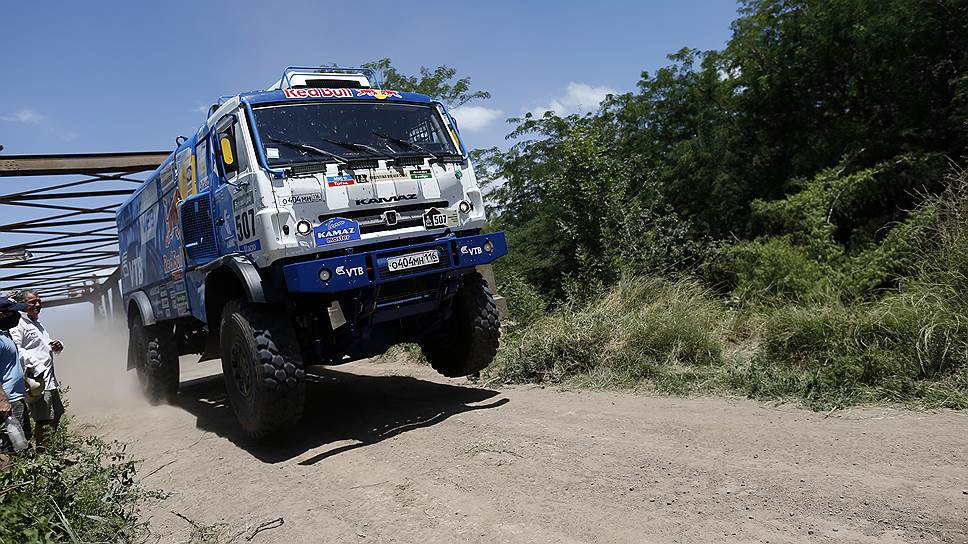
{"x": 349, "y": 272}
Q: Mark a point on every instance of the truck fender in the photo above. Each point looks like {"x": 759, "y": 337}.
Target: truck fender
{"x": 245, "y": 271}
{"x": 248, "y": 276}
{"x": 143, "y": 306}
{"x": 140, "y": 300}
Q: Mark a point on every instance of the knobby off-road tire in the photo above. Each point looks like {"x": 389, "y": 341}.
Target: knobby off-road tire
{"x": 263, "y": 368}
{"x": 154, "y": 352}
{"x": 466, "y": 342}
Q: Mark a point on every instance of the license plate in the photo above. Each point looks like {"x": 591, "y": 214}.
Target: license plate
{"x": 413, "y": 260}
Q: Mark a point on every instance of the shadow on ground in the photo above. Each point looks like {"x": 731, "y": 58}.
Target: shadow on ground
{"x": 340, "y": 406}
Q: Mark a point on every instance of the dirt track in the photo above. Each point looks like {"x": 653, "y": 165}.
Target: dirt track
{"x": 390, "y": 452}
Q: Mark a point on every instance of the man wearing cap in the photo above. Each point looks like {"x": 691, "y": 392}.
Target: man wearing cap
{"x": 37, "y": 355}
{"x": 12, "y": 395}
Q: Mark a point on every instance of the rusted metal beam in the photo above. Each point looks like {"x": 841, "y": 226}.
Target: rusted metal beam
{"x": 68, "y": 260}
{"x": 72, "y": 195}
{"x": 69, "y": 243}
{"x": 29, "y": 228}
{"x": 54, "y": 303}
{"x": 83, "y": 163}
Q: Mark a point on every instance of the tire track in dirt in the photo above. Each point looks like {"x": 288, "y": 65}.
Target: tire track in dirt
{"x": 391, "y": 452}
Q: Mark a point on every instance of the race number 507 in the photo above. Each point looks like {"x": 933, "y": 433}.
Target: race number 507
{"x": 245, "y": 224}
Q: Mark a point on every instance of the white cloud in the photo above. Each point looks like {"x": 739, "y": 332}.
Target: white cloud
{"x": 202, "y": 108}
{"x": 578, "y": 98}
{"x": 473, "y": 118}
{"x": 24, "y": 116}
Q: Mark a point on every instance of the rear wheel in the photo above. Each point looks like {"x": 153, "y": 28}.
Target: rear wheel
{"x": 466, "y": 342}
{"x": 153, "y": 351}
{"x": 262, "y": 367}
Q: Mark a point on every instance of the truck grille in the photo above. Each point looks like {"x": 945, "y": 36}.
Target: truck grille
{"x": 410, "y": 215}
{"x": 198, "y": 230}
{"x": 412, "y": 289}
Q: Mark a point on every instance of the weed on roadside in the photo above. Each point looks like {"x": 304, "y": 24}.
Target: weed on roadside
{"x": 81, "y": 489}
{"x": 674, "y": 337}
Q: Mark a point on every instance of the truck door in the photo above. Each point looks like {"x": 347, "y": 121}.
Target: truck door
{"x": 235, "y": 201}
{"x": 198, "y": 227}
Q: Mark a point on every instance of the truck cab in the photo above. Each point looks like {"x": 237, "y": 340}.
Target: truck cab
{"x": 319, "y": 221}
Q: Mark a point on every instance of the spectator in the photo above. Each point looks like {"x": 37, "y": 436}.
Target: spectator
{"x": 37, "y": 352}
{"x": 12, "y": 395}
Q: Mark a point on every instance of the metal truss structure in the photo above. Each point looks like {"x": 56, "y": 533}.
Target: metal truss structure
{"x": 58, "y": 233}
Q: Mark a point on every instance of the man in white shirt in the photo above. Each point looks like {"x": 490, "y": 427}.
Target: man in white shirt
{"x": 37, "y": 352}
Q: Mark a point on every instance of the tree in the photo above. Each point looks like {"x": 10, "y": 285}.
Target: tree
{"x": 438, "y": 83}
{"x": 802, "y": 87}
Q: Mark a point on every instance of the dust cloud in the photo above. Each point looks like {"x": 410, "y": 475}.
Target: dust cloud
{"x": 92, "y": 365}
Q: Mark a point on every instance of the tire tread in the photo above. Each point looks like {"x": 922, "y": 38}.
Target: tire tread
{"x": 453, "y": 354}
{"x": 278, "y": 369}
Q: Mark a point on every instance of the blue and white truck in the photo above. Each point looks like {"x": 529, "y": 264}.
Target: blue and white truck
{"x": 320, "y": 221}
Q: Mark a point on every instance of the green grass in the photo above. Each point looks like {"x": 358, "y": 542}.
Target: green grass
{"x": 669, "y": 333}
{"x": 81, "y": 489}
{"x": 793, "y": 328}
{"x": 675, "y": 337}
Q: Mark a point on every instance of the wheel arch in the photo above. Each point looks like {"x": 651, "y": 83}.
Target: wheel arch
{"x": 138, "y": 304}
{"x": 233, "y": 278}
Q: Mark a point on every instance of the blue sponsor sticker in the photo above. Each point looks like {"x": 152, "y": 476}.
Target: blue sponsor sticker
{"x": 336, "y": 230}
{"x": 250, "y": 247}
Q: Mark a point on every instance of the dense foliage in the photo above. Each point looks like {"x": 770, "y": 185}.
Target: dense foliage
{"x": 810, "y": 135}
{"x": 908, "y": 345}
{"x": 775, "y": 217}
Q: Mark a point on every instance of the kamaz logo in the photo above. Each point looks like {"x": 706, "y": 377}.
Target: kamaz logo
{"x": 350, "y": 272}
{"x": 386, "y": 199}
{"x": 471, "y": 250}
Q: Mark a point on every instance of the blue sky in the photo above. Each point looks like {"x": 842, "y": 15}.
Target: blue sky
{"x": 82, "y": 77}
{"x": 124, "y": 76}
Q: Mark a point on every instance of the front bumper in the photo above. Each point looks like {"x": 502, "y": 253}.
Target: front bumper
{"x": 370, "y": 268}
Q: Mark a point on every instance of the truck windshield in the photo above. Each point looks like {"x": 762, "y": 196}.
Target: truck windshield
{"x": 353, "y": 130}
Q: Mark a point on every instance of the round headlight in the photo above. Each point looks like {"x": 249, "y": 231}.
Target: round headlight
{"x": 464, "y": 206}
{"x": 325, "y": 274}
{"x": 304, "y": 227}
{"x": 488, "y": 246}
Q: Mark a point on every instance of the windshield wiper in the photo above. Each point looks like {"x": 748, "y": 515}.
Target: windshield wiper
{"x": 353, "y": 146}
{"x": 307, "y": 147}
{"x": 405, "y": 143}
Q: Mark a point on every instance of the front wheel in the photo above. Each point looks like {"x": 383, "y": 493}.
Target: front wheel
{"x": 154, "y": 353}
{"x": 262, "y": 367}
{"x": 467, "y": 342}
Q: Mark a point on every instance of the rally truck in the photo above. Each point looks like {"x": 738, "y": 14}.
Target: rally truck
{"x": 317, "y": 222}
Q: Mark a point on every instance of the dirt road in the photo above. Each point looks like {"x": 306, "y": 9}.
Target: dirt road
{"x": 390, "y": 452}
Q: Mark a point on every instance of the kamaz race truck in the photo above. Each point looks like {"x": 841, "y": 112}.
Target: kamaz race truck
{"x": 319, "y": 221}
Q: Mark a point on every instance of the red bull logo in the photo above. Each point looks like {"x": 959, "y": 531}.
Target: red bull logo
{"x": 172, "y": 229}
{"x": 379, "y": 94}
{"x": 318, "y": 93}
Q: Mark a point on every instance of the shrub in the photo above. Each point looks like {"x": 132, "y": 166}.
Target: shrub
{"x": 80, "y": 490}
{"x": 773, "y": 270}
{"x": 644, "y": 328}
{"x": 525, "y": 303}
{"x": 896, "y": 350}
{"x": 806, "y": 319}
